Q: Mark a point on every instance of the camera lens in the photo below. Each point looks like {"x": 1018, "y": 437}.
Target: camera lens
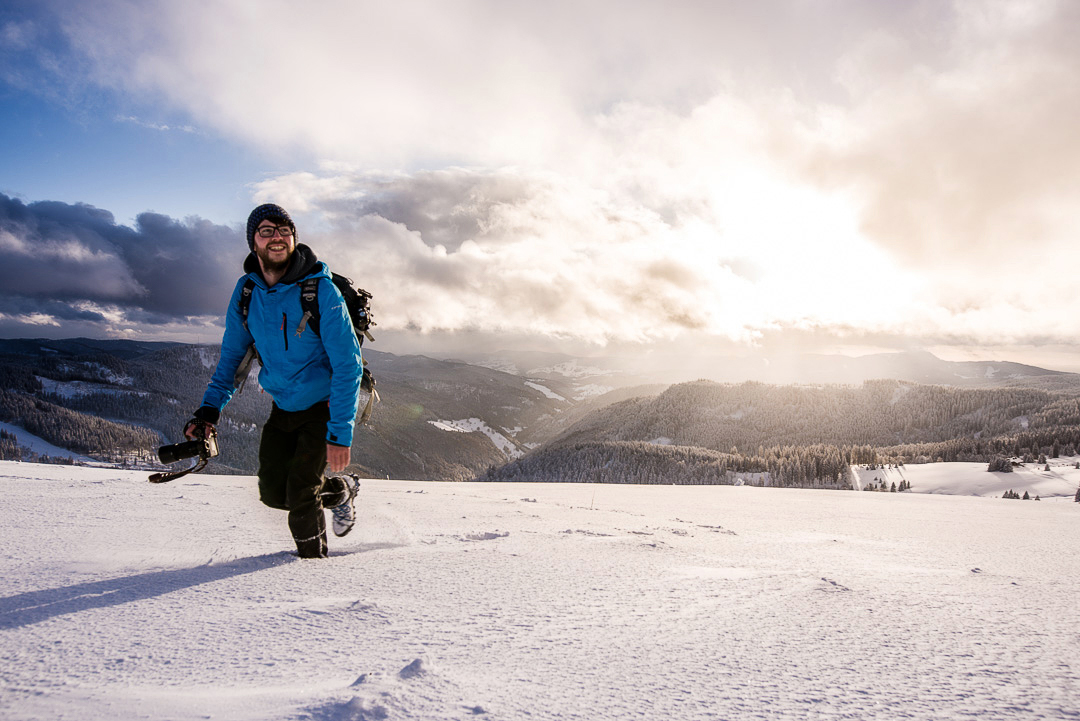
{"x": 180, "y": 451}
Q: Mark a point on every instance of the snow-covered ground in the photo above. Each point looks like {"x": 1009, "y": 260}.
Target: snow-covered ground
{"x": 972, "y": 479}
{"x": 74, "y": 389}
{"x": 545, "y": 390}
{"x": 121, "y": 600}
{"x": 477, "y": 425}
{"x": 589, "y": 390}
{"x": 40, "y": 445}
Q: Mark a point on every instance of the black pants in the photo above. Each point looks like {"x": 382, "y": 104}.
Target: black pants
{"x": 292, "y": 458}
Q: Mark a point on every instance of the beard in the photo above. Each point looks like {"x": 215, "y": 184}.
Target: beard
{"x": 271, "y": 265}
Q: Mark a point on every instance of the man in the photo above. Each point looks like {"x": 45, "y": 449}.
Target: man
{"x": 314, "y": 379}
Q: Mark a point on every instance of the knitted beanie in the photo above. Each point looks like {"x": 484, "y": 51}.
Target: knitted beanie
{"x": 268, "y": 210}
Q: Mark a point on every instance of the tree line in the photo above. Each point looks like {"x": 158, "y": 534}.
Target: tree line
{"x": 68, "y": 429}
{"x": 818, "y": 466}
{"x": 808, "y": 436}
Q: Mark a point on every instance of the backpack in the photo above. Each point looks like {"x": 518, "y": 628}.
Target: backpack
{"x": 357, "y": 303}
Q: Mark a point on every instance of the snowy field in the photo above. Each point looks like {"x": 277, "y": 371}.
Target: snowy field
{"x": 1057, "y": 479}
{"x": 124, "y": 600}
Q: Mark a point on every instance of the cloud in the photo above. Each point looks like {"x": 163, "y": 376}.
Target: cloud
{"x": 974, "y": 156}
{"x": 394, "y": 84}
{"x": 508, "y": 252}
{"x": 74, "y": 263}
{"x": 154, "y": 126}
{"x": 626, "y": 171}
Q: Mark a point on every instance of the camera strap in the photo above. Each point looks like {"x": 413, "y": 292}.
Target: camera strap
{"x": 173, "y": 475}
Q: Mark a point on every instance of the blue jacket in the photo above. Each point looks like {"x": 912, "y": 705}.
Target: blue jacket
{"x": 299, "y": 367}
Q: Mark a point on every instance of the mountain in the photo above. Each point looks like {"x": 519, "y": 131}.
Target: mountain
{"x": 878, "y": 413}
{"x": 437, "y": 419}
{"x": 455, "y": 420}
{"x": 592, "y": 375}
{"x": 706, "y": 432}
{"x": 79, "y": 347}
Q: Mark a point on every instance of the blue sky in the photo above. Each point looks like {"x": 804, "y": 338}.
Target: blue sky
{"x": 835, "y": 176}
{"x": 56, "y": 153}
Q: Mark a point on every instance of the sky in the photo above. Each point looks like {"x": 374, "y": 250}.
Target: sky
{"x": 602, "y": 177}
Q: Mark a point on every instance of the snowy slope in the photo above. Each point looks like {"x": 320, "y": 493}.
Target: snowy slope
{"x": 40, "y": 445}
{"x": 972, "y": 479}
{"x": 121, "y": 600}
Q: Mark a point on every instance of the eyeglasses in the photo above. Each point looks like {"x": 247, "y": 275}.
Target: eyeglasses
{"x": 268, "y": 232}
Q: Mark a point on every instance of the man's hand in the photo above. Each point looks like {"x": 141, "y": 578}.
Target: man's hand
{"x": 337, "y": 457}
{"x": 198, "y": 429}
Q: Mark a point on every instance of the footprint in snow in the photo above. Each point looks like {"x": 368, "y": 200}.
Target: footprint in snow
{"x": 355, "y": 709}
{"x": 719, "y": 529}
{"x": 832, "y": 586}
{"x": 414, "y": 669}
{"x": 489, "y": 536}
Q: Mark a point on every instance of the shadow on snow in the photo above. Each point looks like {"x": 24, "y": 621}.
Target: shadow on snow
{"x": 25, "y": 609}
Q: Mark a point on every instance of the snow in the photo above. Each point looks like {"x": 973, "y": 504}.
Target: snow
{"x": 448, "y": 426}
{"x": 104, "y": 373}
{"x": 40, "y": 445}
{"x": 72, "y": 389}
{"x": 545, "y": 390}
{"x": 522, "y": 601}
{"x": 590, "y": 390}
{"x": 207, "y": 357}
{"x": 495, "y": 364}
{"x": 901, "y": 391}
{"x": 972, "y": 479}
{"x": 570, "y": 369}
{"x": 474, "y": 425}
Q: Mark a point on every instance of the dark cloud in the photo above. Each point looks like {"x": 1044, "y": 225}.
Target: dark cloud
{"x": 445, "y": 207}
{"x": 23, "y": 307}
{"x": 75, "y": 263}
{"x": 187, "y": 268}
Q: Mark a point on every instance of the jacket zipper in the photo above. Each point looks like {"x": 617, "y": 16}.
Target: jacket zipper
{"x": 284, "y": 333}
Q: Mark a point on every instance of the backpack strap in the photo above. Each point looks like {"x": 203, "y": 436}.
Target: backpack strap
{"x": 245, "y": 300}
{"x": 309, "y": 303}
{"x": 240, "y": 377}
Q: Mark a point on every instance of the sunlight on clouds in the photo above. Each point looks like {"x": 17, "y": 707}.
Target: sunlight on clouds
{"x": 11, "y": 243}
{"x": 110, "y": 313}
{"x": 735, "y": 169}
{"x": 32, "y": 319}
{"x": 555, "y": 256}
{"x": 64, "y": 266}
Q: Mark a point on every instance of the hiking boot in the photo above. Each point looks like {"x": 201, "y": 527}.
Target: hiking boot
{"x": 344, "y": 513}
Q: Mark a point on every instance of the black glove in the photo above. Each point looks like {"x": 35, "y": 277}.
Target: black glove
{"x": 197, "y": 428}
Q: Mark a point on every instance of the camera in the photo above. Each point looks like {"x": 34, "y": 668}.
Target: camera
{"x": 205, "y": 448}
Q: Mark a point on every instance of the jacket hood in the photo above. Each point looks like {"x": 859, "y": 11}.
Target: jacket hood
{"x": 302, "y": 264}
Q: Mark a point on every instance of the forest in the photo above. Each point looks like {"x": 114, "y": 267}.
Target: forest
{"x": 156, "y": 387}
{"x": 817, "y": 466}
{"x": 807, "y": 436}
{"x": 119, "y": 403}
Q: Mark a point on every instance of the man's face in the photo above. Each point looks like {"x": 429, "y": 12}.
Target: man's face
{"x": 274, "y": 252}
